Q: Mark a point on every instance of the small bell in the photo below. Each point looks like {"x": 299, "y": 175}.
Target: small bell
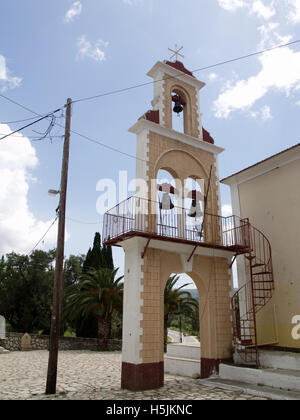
{"x": 195, "y": 210}
{"x": 178, "y": 108}
{"x": 166, "y": 203}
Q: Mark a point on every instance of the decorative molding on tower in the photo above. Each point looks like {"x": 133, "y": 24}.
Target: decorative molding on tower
{"x": 146, "y": 125}
{"x": 170, "y": 76}
{"x": 160, "y": 69}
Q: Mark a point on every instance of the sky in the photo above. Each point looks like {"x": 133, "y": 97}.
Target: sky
{"x": 53, "y": 50}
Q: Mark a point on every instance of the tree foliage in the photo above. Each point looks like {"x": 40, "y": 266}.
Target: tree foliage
{"x": 177, "y": 301}
{"x": 26, "y": 289}
{"x": 99, "y": 256}
{"x": 26, "y": 284}
{"x": 99, "y": 294}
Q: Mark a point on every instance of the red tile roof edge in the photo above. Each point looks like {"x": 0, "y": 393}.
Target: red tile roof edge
{"x": 178, "y": 65}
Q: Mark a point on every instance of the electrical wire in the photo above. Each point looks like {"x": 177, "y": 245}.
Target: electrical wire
{"x": 29, "y": 125}
{"x": 32, "y": 137}
{"x": 18, "y": 121}
{"x": 243, "y": 57}
{"x": 145, "y": 84}
{"x": 194, "y": 71}
{"x": 106, "y": 146}
{"x": 82, "y": 221}
{"x": 20, "y": 105}
{"x": 53, "y": 223}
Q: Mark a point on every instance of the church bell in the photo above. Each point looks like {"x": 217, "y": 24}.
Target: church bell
{"x": 195, "y": 210}
{"x": 178, "y": 108}
{"x": 166, "y": 203}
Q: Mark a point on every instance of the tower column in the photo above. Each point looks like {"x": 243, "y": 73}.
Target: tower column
{"x": 215, "y": 315}
{"x": 142, "y": 353}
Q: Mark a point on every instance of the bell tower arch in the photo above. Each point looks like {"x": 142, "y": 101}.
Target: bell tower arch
{"x": 158, "y": 240}
{"x": 171, "y": 80}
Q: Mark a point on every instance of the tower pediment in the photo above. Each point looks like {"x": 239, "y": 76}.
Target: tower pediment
{"x": 176, "y": 70}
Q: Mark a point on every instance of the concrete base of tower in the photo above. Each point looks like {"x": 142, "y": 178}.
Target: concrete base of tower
{"x": 142, "y": 377}
{"x": 210, "y": 367}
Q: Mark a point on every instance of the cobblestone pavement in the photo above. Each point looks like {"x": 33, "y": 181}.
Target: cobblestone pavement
{"x": 87, "y": 375}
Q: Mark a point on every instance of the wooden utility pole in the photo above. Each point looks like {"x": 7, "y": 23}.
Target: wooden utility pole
{"x": 58, "y": 276}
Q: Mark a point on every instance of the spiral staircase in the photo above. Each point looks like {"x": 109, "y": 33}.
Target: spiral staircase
{"x": 253, "y": 296}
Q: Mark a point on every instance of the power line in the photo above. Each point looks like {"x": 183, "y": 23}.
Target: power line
{"x": 79, "y": 134}
{"x": 146, "y": 84}
{"x": 106, "y": 146}
{"x": 169, "y": 77}
{"x": 32, "y": 137}
{"x": 18, "y": 121}
{"x": 194, "y": 71}
{"x": 29, "y": 125}
{"x": 54, "y": 221}
{"x": 82, "y": 222}
{"x": 20, "y": 105}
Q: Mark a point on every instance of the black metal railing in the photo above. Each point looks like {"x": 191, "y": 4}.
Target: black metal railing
{"x": 143, "y": 217}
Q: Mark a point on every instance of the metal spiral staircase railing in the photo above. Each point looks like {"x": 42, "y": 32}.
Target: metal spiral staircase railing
{"x": 253, "y": 296}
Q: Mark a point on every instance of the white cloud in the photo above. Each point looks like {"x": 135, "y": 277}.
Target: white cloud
{"x": 264, "y": 113}
{"x": 19, "y": 229}
{"x": 263, "y": 11}
{"x": 295, "y": 13}
{"x": 256, "y": 7}
{"x": 298, "y": 103}
{"x": 6, "y": 80}
{"x": 280, "y": 70}
{"x": 74, "y": 11}
{"x": 270, "y": 37}
{"x": 95, "y": 52}
{"x": 226, "y": 210}
{"x": 213, "y": 76}
{"x": 132, "y": 2}
{"x": 232, "y": 4}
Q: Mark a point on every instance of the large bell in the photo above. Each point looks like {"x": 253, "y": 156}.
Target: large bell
{"x": 178, "y": 108}
{"x": 195, "y": 210}
{"x": 166, "y": 203}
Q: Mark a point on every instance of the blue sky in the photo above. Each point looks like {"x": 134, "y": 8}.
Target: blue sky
{"x": 52, "y": 50}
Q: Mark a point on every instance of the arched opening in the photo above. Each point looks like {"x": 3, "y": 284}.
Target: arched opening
{"x": 181, "y": 326}
{"x": 194, "y": 208}
{"x": 167, "y": 199}
{"x": 179, "y": 111}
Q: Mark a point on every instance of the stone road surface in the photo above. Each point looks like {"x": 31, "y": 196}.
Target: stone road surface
{"x": 87, "y": 375}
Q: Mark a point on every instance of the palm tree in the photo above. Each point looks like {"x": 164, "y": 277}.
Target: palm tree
{"x": 99, "y": 293}
{"x": 176, "y": 301}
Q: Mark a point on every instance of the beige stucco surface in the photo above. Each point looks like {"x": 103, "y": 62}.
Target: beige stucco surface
{"x": 212, "y": 278}
{"x": 272, "y": 202}
{"x": 184, "y": 156}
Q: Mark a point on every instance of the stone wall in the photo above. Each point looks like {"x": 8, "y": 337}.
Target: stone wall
{"x": 41, "y": 342}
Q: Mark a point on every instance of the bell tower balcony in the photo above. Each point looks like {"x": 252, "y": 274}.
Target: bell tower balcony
{"x": 139, "y": 217}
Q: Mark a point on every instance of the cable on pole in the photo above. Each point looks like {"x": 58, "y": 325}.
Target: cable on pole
{"x": 29, "y": 125}
{"x": 53, "y": 223}
{"x": 146, "y": 84}
{"x": 18, "y": 121}
{"x": 82, "y": 222}
{"x": 194, "y": 71}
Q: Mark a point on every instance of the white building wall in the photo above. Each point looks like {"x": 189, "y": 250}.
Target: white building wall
{"x": 133, "y": 288}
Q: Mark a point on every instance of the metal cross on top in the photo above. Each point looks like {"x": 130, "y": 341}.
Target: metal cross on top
{"x": 176, "y": 52}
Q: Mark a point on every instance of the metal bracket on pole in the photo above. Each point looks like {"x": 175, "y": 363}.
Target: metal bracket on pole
{"x": 194, "y": 250}
{"x": 146, "y": 247}
{"x": 232, "y": 262}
